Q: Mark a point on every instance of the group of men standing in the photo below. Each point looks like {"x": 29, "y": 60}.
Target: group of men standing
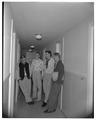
{"x": 35, "y": 72}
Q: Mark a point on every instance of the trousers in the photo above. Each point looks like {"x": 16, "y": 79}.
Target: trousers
{"x": 53, "y": 96}
{"x": 47, "y": 85}
{"x": 37, "y": 87}
{"x": 25, "y": 86}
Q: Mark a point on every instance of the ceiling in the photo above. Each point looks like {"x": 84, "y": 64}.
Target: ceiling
{"x": 49, "y": 19}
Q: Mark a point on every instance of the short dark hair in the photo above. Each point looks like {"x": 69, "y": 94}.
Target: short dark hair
{"x": 22, "y": 57}
{"x": 57, "y": 54}
{"x": 49, "y": 52}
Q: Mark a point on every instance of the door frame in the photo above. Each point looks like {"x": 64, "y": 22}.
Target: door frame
{"x": 90, "y": 82}
{"x": 17, "y": 69}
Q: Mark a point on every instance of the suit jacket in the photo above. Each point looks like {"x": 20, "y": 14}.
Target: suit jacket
{"x": 60, "y": 69}
{"x": 21, "y": 70}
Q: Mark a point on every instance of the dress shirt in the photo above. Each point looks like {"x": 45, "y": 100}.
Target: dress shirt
{"x": 37, "y": 65}
{"x": 50, "y": 67}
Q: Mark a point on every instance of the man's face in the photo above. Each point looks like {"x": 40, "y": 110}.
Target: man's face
{"x": 47, "y": 55}
{"x": 55, "y": 58}
{"x": 37, "y": 56}
{"x": 23, "y": 60}
{"x": 30, "y": 60}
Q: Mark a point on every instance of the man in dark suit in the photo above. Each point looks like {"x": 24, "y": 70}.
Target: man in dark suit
{"x": 25, "y": 81}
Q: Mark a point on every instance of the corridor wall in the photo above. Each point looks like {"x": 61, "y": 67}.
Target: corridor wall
{"x": 75, "y": 93}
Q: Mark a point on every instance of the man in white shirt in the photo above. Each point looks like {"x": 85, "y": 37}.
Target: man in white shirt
{"x": 47, "y": 75}
{"x": 36, "y": 72}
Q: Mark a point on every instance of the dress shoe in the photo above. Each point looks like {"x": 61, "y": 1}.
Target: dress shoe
{"x": 46, "y": 111}
{"x": 51, "y": 111}
{"x": 30, "y": 103}
{"x": 44, "y": 104}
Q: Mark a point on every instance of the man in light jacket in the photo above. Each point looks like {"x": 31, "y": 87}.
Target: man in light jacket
{"x": 36, "y": 73}
{"x": 47, "y": 75}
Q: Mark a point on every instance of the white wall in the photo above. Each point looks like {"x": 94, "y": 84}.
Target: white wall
{"x": 76, "y": 49}
{"x": 76, "y": 69}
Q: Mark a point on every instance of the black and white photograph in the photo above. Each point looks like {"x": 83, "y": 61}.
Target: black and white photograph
{"x": 47, "y": 59}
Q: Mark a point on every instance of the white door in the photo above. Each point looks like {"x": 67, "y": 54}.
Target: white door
{"x": 12, "y": 71}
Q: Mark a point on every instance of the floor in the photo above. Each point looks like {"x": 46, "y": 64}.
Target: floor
{"x": 23, "y": 110}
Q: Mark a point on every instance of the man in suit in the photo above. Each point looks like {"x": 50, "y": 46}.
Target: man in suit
{"x": 25, "y": 81}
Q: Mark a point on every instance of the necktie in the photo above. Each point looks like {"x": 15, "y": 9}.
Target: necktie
{"x": 55, "y": 65}
{"x": 47, "y": 63}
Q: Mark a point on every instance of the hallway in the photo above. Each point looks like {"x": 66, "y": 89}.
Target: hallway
{"x": 64, "y": 28}
{"x": 23, "y": 110}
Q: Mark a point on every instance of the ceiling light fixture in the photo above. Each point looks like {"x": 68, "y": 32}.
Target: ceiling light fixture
{"x": 38, "y": 36}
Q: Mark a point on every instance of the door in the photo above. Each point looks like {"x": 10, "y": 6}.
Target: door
{"x": 12, "y": 73}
